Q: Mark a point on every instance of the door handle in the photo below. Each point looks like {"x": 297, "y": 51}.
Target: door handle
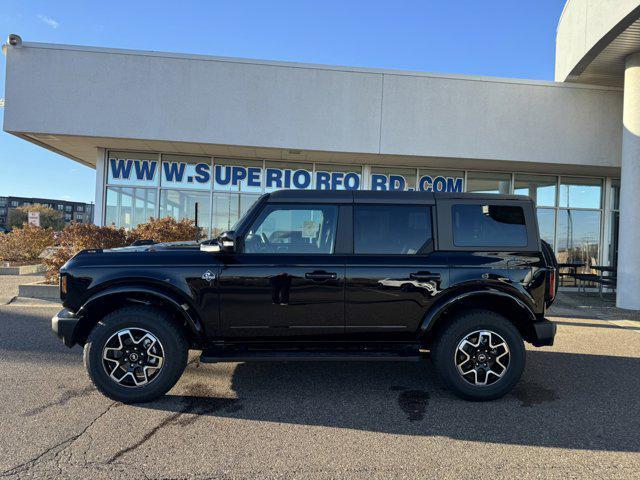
{"x": 320, "y": 275}
{"x": 424, "y": 276}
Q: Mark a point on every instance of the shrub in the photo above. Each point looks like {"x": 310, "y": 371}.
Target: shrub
{"x": 82, "y": 236}
{"x": 166, "y": 229}
{"x": 49, "y": 218}
{"x": 25, "y": 244}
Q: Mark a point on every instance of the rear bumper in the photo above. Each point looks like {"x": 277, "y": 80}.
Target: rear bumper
{"x": 544, "y": 331}
{"x": 64, "y": 325}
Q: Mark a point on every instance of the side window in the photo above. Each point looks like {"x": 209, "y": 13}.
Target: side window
{"x": 307, "y": 229}
{"x": 392, "y": 229}
{"x": 488, "y": 226}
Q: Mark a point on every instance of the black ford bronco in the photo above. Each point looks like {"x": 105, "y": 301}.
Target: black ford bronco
{"x": 317, "y": 275}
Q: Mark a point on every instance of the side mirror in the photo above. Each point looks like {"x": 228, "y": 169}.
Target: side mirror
{"x": 227, "y": 241}
{"x": 211, "y": 246}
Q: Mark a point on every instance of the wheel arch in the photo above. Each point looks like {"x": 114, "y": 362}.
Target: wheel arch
{"x": 503, "y": 303}
{"x": 111, "y": 299}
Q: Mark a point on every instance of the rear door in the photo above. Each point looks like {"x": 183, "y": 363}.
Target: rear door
{"x": 394, "y": 273}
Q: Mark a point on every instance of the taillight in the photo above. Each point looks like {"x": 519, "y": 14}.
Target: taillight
{"x": 63, "y": 284}
{"x": 552, "y": 284}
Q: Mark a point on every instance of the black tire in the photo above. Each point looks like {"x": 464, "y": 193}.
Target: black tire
{"x": 444, "y": 347}
{"x": 156, "y": 322}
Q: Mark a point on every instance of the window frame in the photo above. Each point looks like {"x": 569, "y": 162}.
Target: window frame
{"x": 259, "y": 215}
{"x": 445, "y": 225}
{"x": 426, "y": 252}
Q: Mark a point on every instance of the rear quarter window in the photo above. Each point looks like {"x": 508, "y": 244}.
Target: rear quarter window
{"x": 486, "y": 225}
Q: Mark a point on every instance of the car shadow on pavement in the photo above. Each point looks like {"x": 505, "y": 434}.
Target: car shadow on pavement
{"x": 564, "y": 400}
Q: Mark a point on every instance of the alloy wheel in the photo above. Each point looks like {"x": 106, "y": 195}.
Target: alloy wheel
{"x": 482, "y": 357}
{"x": 133, "y": 357}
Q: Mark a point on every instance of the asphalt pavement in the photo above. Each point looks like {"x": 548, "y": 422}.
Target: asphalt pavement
{"x": 573, "y": 415}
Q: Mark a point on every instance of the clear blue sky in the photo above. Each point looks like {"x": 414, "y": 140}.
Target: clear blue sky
{"x": 503, "y": 38}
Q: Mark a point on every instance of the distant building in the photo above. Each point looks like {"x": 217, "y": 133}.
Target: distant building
{"x": 71, "y": 211}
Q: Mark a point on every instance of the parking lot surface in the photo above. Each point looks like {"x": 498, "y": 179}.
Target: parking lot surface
{"x": 573, "y": 415}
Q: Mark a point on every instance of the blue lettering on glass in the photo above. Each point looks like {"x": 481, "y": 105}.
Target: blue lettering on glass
{"x": 222, "y": 179}
{"x": 145, "y": 170}
{"x": 351, "y": 181}
{"x": 301, "y": 179}
{"x": 274, "y": 178}
{"x": 439, "y": 184}
{"x": 203, "y": 174}
{"x": 378, "y": 182}
{"x": 120, "y": 168}
{"x": 323, "y": 180}
{"x": 454, "y": 185}
{"x": 253, "y": 176}
{"x": 336, "y": 180}
{"x": 173, "y": 171}
{"x": 238, "y": 174}
{"x": 397, "y": 182}
{"x": 287, "y": 178}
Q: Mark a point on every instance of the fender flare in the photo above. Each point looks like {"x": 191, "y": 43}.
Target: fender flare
{"x": 436, "y": 311}
{"x": 194, "y": 323}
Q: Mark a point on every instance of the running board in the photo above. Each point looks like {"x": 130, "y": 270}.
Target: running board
{"x": 218, "y": 355}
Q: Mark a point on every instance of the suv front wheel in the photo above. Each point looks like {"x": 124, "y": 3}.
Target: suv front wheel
{"x": 480, "y": 355}
{"x": 135, "y": 354}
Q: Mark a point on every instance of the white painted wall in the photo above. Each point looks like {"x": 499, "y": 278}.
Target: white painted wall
{"x": 62, "y": 90}
{"x": 582, "y": 24}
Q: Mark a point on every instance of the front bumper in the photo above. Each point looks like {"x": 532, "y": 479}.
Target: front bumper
{"x": 64, "y": 325}
{"x": 544, "y": 331}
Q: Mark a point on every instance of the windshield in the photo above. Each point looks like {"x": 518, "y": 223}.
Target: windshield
{"x": 247, "y": 214}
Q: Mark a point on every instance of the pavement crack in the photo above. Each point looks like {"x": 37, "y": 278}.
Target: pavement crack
{"x": 199, "y": 402}
{"x": 56, "y": 449}
{"x": 66, "y": 396}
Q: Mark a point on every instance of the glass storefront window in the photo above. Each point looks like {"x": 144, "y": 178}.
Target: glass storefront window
{"x": 127, "y": 207}
{"x": 195, "y": 206}
{"x": 383, "y": 178}
{"x": 541, "y": 188}
{"x": 578, "y": 192}
{"x": 355, "y": 171}
{"x": 287, "y": 175}
{"x": 578, "y": 237}
{"x": 133, "y": 169}
{"x": 615, "y": 194}
{"x": 615, "y": 222}
{"x": 227, "y": 208}
{"x": 547, "y": 224}
{"x": 489, "y": 182}
{"x": 186, "y": 172}
{"x": 440, "y": 180}
{"x": 237, "y": 175}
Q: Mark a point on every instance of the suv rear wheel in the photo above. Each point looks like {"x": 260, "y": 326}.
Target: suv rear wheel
{"x": 480, "y": 355}
{"x": 135, "y": 354}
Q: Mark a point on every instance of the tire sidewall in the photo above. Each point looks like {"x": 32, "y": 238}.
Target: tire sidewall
{"x": 467, "y": 324}
{"x": 154, "y": 321}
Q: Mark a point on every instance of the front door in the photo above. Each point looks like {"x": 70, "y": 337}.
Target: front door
{"x": 394, "y": 275}
{"x": 285, "y": 281}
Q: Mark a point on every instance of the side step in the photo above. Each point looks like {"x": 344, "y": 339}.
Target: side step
{"x": 226, "y": 354}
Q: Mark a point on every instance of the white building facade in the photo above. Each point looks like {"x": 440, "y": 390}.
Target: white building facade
{"x": 202, "y": 137}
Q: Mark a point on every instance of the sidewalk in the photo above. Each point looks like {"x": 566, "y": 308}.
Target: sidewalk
{"x": 9, "y": 285}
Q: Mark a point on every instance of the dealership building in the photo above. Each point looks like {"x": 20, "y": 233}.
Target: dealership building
{"x": 202, "y": 137}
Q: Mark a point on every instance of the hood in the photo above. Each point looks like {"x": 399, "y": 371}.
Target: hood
{"x": 154, "y": 247}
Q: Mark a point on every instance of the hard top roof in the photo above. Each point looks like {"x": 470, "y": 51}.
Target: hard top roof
{"x": 380, "y": 196}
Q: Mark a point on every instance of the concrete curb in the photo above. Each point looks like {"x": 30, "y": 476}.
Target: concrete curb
{"x": 39, "y": 290}
{"x": 22, "y": 270}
